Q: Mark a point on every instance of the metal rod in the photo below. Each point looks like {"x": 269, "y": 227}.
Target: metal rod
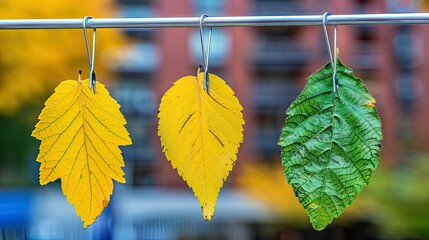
{"x": 243, "y": 21}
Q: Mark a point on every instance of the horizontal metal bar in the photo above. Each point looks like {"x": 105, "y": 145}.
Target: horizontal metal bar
{"x": 239, "y": 21}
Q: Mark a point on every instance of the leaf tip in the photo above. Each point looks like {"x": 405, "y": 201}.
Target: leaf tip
{"x": 319, "y": 226}
{"x": 88, "y": 223}
{"x": 319, "y": 218}
{"x": 207, "y": 210}
{"x": 42, "y": 182}
{"x": 105, "y": 203}
{"x": 371, "y": 103}
{"x": 207, "y": 218}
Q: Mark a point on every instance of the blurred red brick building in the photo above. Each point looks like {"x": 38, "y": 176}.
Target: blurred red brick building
{"x": 267, "y": 67}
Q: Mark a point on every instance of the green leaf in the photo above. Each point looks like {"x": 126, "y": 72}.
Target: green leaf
{"x": 330, "y": 143}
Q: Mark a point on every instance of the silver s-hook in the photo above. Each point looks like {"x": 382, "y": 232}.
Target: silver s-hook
{"x": 332, "y": 55}
{"x": 91, "y": 59}
{"x": 205, "y": 52}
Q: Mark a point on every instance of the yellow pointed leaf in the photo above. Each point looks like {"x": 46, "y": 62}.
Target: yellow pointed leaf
{"x": 200, "y": 134}
{"x": 80, "y": 133}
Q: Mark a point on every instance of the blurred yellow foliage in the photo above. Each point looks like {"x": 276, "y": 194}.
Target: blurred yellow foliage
{"x": 33, "y": 61}
{"x": 268, "y": 184}
{"x": 425, "y": 5}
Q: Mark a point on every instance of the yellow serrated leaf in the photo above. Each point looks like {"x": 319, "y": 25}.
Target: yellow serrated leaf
{"x": 80, "y": 133}
{"x": 200, "y": 134}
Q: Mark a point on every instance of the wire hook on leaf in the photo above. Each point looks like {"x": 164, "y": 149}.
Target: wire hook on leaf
{"x": 205, "y": 52}
{"x": 332, "y": 55}
{"x": 91, "y": 59}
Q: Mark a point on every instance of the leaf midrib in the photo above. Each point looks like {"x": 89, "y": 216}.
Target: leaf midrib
{"x": 82, "y": 107}
{"x": 200, "y": 111}
{"x": 325, "y": 170}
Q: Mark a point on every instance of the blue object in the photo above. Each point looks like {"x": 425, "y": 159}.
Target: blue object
{"x": 14, "y": 207}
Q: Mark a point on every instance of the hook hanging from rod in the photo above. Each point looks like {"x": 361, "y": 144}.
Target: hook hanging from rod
{"x": 332, "y": 55}
{"x": 91, "y": 59}
{"x": 224, "y": 21}
{"x": 205, "y": 52}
